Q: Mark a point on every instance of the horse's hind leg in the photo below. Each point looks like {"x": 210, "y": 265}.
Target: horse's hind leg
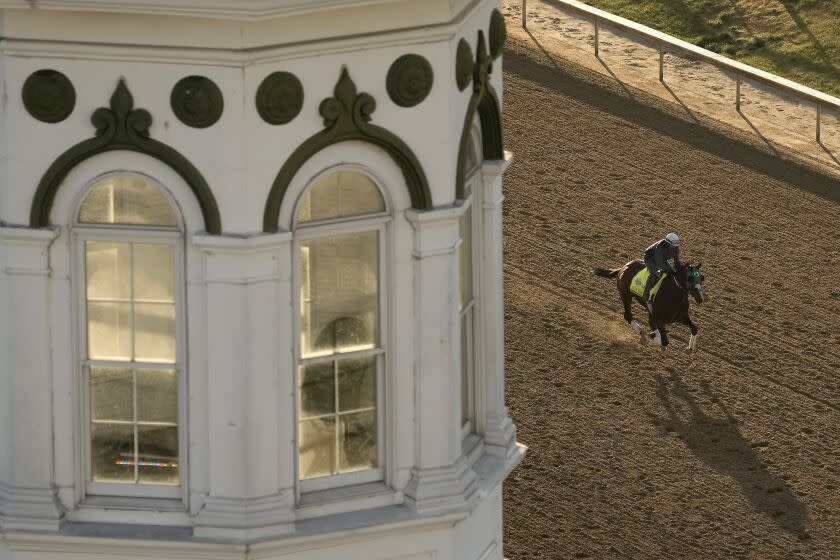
{"x": 695, "y": 332}
{"x": 627, "y": 300}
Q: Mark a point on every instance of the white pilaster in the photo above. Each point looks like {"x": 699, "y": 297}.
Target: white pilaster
{"x": 27, "y": 493}
{"x": 442, "y": 477}
{"x": 499, "y": 430}
{"x": 249, "y": 387}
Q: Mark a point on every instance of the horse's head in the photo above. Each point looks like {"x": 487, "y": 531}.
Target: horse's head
{"x": 692, "y": 281}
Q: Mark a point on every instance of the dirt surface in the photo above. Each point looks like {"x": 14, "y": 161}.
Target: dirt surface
{"x": 770, "y": 115}
{"x": 730, "y": 452}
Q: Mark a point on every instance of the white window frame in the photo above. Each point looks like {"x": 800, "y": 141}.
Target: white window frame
{"x": 380, "y": 223}
{"x": 472, "y": 204}
{"x": 119, "y": 233}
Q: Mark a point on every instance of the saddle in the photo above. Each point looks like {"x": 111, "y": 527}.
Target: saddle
{"x": 637, "y": 286}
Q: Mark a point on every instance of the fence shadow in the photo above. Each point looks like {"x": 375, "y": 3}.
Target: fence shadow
{"x": 592, "y": 89}
{"x": 713, "y": 436}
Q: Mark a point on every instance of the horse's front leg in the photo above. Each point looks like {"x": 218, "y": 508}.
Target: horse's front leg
{"x": 657, "y": 331}
{"x": 695, "y": 332}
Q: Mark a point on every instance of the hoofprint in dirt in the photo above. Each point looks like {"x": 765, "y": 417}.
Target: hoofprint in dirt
{"x": 727, "y": 453}
{"x": 698, "y": 87}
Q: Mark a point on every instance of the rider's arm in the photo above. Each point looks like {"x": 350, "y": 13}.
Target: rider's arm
{"x": 677, "y": 263}
{"x": 661, "y": 258}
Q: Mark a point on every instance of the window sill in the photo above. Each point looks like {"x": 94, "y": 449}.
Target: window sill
{"x": 139, "y": 511}
{"x": 347, "y": 498}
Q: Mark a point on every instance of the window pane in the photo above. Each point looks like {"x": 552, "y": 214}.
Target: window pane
{"x": 111, "y": 394}
{"x": 356, "y": 384}
{"x": 340, "y": 195}
{"x": 357, "y": 445}
{"x": 126, "y": 200}
{"x": 471, "y": 161}
{"x": 108, "y": 270}
{"x": 109, "y": 331}
{"x": 321, "y": 200}
{"x": 358, "y": 195}
{"x": 343, "y": 293}
{"x": 465, "y": 257}
{"x": 157, "y": 395}
{"x": 112, "y": 453}
{"x": 317, "y": 447}
{"x": 154, "y": 332}
{"x": 317, "y": 389}
{"x": 154, "y": 278}
{"x": 158, "y": 454}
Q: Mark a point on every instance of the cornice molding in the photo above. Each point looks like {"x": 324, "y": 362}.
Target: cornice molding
{"x": 242, "y": 10}
{"x": 239, "y": 57}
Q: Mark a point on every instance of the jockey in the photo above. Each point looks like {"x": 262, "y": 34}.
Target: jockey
{"x": 656, "y": 261}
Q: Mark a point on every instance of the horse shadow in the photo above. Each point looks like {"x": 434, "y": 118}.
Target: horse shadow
{"x": 717, "y": 441}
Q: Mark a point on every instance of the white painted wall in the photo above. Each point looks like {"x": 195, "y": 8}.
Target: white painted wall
{"x": 436, "y": 502}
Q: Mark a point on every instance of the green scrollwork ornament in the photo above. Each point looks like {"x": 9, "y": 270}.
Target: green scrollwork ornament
{"x": 347, "y": 118}
{"x": 121, "y": 127}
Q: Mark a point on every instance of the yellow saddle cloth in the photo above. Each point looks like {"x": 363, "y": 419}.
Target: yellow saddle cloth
{"x": 637, "y": 286}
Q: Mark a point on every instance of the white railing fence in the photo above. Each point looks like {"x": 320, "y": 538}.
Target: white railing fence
{"x": 672, "y": 45}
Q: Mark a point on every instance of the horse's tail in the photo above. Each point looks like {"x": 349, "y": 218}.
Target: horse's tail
{"x": 606, "y": 272}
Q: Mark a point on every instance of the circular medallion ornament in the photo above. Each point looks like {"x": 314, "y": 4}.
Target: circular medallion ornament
{"x": 279, "y": 98}
{"x": 409, "y": 80}
{"x": 48, "y": 96}
{"x": 498, "y": 33}
{"x": 197, "y": 101}
{"x": 463, "y": 64}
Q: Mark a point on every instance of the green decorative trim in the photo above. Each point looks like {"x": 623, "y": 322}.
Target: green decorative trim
{"x": 122, "y": 128}
{"x": 197, "y": 101}
{"x": 484, "y": 101}
{"x": 48, "y": 96}
{"x": 409, "y": 80}
{"x": 497, "y": 34}
{"x": 347, "y": 117}
{"x": 463, "y": 65}
{"x": 279, "y": 98}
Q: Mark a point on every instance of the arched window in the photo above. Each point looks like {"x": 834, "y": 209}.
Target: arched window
{"x": 339, "y": 242}
{"x": 130, "y": 268}
{"x": 466, "y": 258}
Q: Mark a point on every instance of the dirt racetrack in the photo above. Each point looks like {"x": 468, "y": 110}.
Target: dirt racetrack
{"x": 728, "y": 453}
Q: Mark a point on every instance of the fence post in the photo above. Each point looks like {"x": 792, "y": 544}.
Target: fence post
{"x": 819, "y": 119}
{"x": 662, "y": 62}
{"x": 597, "y": 40}
{"x": 524, "y": 14}
{"x": 738, "y": 91}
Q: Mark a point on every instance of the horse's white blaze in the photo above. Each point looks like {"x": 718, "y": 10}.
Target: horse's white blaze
{"x": 657, "y": 337}
{"x": 637, "y": 328}
{"x": 702, "y": 295}
{"x": 692, "y": 342}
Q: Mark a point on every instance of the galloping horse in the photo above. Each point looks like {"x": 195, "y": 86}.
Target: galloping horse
{"x": 670, "y": 304}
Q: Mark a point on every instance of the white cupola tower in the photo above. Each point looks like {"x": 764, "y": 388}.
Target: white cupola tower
{"x": 251, "y": 280}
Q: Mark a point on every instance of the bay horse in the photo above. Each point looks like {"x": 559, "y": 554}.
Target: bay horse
{"x": 670, "y": 304}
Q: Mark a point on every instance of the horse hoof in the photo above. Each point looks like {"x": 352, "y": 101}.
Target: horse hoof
{"x": 692, "y": 342}
{"x": 637, "y": 328}
{"x": 656, "y": 337}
